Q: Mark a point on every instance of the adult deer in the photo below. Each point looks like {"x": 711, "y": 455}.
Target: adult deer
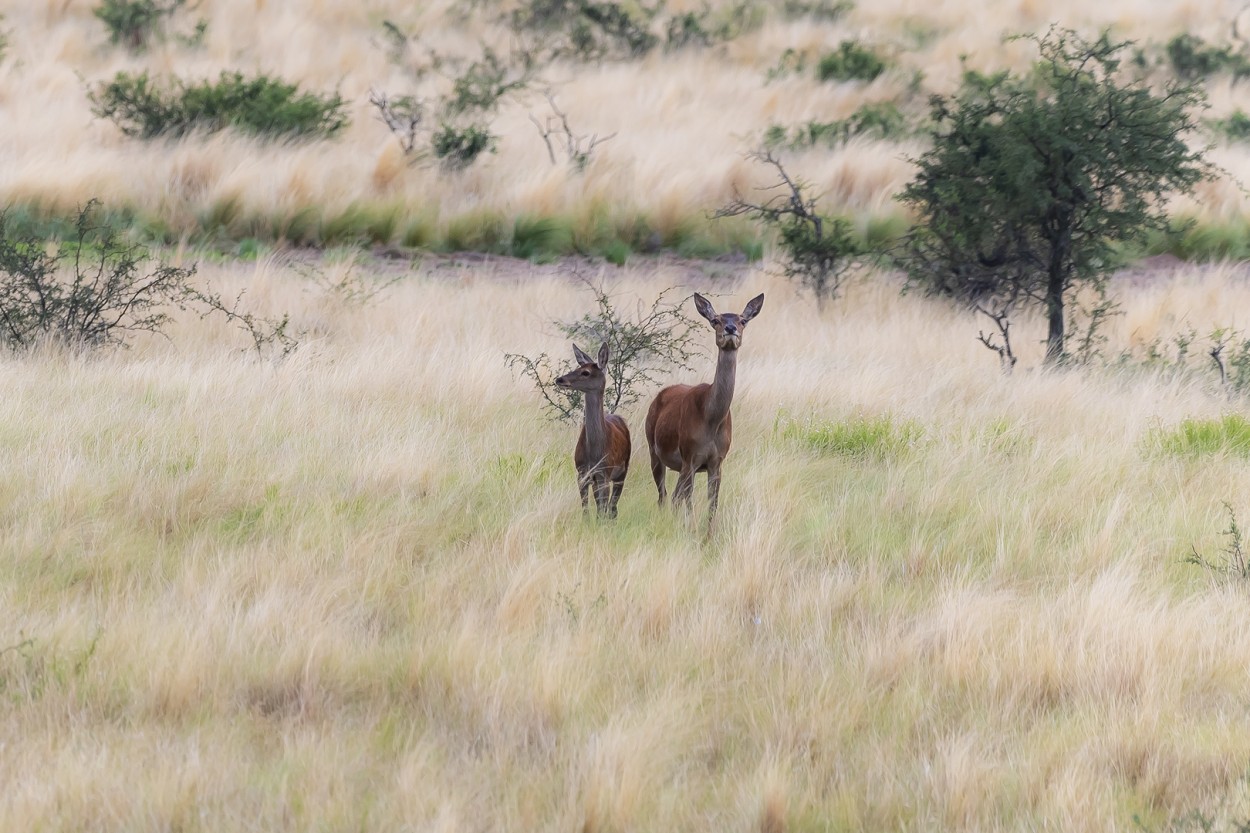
{"x": 689, "y": 427}
{"x": 602, "y": 452}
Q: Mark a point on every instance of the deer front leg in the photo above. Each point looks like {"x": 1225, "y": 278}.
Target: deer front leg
{"x": 603, "y": 491}
{"x": 583, "y": 487}
{"x": 713, "y": 494}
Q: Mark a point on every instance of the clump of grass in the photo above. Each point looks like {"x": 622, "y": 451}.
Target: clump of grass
{"x": 883, "y": 120}
{"x": 859, "y": 436}
{"x": 540, "y": 238}
{"x": 1229, "y": 434}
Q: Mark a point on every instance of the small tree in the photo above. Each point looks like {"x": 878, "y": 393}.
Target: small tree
{"x": 656, "y": 337}
{"x": 1033, "y": 182}
{"x": 818, "y": 250}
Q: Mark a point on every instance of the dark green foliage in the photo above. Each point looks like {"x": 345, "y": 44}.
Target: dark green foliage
{"x": 458, "y": 147}
{"x": 134, "y": 23}
{"x": 851, "y": 62}
{"x": 1035, "y": 183}
{"x": 89, "y": 292}
{"x": 878, "y": 121}
{"x": 1236, "y": 126}
{"x": 487, "y": 80}
{"x": 656, "y": 338}
{"x": 703, "y": 29}
{"x": 827, "y": 10}
{"x": 1192, "y": 59}
{"x": 260, "y": 106}
{"x": 818, "y": 249}
{"x": 588, "y": 30}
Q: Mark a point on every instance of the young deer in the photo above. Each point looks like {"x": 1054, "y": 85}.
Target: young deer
{"x": 689, "y": 427}
{"x": 602, "y": 453}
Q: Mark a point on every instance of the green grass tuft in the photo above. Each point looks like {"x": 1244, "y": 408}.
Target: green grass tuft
{"x": 859, "y": 436}
{"x": 1228, "y": 435}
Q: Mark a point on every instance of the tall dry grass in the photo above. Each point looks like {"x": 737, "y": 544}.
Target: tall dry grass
{"x": 355, "y": 589}
{"x": 682, "y": 121}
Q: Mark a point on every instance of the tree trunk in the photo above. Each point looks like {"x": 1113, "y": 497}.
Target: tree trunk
{"x": 1056, "y": 284}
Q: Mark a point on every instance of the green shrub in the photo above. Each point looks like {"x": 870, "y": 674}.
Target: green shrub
{"x": 644, "y": 341}
{"x": 816, "y": 9}
{"x": 458, "y": 147}
{"x": 818, "y": 249}
{"x": 134, "y": 23}
{"x": 1228, "y": 435}
{"x": 860, "y": 436}
{"x": 260, "y": 106}
{"x": 90, "y": 292}
{"x": 1191, "y": 58}
{"x": 851, "y": 62}
{"x": 1236, "y": 127}
{"x": 588, "y": 30}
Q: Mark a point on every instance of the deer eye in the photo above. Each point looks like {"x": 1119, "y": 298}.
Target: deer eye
{"x": 585, "y": 372}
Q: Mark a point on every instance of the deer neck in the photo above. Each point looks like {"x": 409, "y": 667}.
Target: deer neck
{"x": 596, "y": 426}
{"x": 722, "y": 387}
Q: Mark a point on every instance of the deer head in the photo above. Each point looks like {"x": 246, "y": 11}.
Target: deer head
{"x": 728, "y": 327}
{"x": 589, "y": 376}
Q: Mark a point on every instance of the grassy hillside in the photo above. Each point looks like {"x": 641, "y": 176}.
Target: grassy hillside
{"x": 355, "y": 589}
{"x": 680, "y": 120}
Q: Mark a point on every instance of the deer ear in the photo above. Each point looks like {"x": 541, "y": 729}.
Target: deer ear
{"x": 581, "y": 357}
{"x": 704, "y": 308}
{"x": 753, "y": 307}
{"x": 603, "y": 355}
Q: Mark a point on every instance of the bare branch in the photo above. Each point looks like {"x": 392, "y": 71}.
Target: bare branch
{"x": 577, "y": 148}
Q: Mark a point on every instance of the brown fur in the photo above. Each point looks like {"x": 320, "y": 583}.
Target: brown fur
{"x": 689, "y": 427}
{"x": 609, "y": 481}
{"x": 601, "y": 455}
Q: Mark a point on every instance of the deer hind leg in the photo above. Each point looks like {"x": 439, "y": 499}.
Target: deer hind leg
{"x": 618, "y": 486}
{"x": 658, "y": 472}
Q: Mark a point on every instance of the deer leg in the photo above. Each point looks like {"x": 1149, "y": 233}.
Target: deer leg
{"x": 603, "y": 492}
{"x": 682, "y": 495}
{"x": 618, "y": 486}
{"x": 713, "y": 494}
{"x": 658, "y": 472}
{"x": 583, "y": 487}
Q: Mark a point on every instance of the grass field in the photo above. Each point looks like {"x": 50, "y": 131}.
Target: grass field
{"x": 355, "y": 590}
